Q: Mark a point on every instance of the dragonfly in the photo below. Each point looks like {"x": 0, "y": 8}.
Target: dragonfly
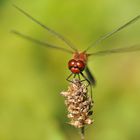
{"x": 78, "y": 64}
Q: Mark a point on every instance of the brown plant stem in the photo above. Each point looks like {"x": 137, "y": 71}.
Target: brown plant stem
{"x": 82, "y": 133}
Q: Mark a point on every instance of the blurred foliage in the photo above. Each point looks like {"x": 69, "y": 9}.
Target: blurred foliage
{"x": 31, "y": 77}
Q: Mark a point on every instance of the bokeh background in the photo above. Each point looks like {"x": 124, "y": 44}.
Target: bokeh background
{"x": 32, "y": 77}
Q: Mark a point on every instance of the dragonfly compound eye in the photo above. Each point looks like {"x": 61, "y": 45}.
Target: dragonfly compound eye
{"x": 76, "y": 66}
{"x": 71, "y": 63}
{"x": 80, "y": 65}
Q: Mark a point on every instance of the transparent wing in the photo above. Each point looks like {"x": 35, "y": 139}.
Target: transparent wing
{"x": 59, "y": 36}
{"x": 45, "y": 44}
{"x": 113, "y": 32}
{"x": 119, "y": 50}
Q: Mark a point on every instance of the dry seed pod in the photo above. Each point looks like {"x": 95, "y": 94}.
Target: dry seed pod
{"x": 78, "y": 104}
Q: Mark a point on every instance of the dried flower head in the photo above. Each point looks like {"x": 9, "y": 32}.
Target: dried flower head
{"x": 78, "y": 103}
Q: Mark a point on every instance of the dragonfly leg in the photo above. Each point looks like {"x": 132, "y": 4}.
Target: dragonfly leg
{"x": 79, "y": 77}
{"x": 68, "y": 78}
{"x": 74, "y": 76}
{"x": 90, "y": 76}
{"x": 89, "y": 83}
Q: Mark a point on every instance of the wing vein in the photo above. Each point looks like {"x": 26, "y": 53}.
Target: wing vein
{"x": 59, "y": 36}
{"x": 113, "y": 32}
{"x": 119, "y": 50}
{"x": 45, "y": 44}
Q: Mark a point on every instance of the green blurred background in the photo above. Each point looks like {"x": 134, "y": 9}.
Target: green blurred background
{"x": 32, "y": 77}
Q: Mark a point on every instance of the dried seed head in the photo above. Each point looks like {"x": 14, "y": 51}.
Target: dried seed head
{"x": 78, "y": 104}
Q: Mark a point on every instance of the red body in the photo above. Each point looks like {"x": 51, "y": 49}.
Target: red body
{"x": 78, "y": 63}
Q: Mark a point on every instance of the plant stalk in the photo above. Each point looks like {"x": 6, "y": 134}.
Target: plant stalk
{"x": 82, "y": 133}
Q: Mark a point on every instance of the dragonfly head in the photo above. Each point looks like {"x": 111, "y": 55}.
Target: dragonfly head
{"x": 76, "y": 66}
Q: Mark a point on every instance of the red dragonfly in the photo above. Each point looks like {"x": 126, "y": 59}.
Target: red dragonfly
{"x": 78, "y": 63}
